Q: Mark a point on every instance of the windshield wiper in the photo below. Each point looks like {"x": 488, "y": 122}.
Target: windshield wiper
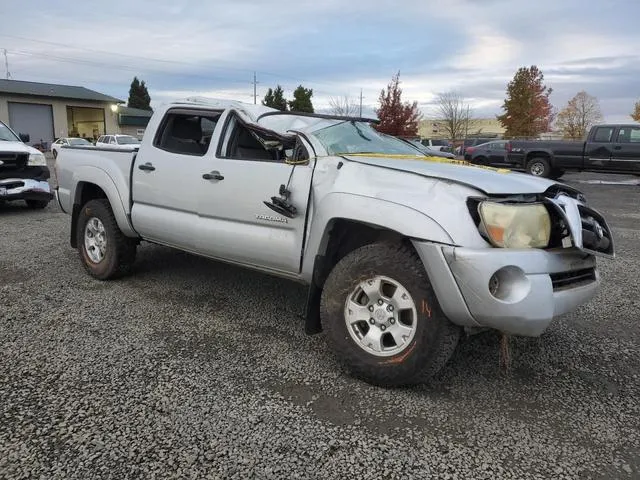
{"x": 362, "y": 135}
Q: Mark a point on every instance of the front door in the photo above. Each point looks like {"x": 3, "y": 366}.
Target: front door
{"x": 166, "y": 175}
{"x": 235, "y": 224}
{"x": 497, "y": 153}
{"x": 626, "y": 150}
{"x": 597, "y": 155}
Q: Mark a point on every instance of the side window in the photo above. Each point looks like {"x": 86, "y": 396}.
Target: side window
{"x": 603, "y": 134}
{"x": 244, "y": 143}
{"x": 629, "y": 135}
{"x": 186, "y": 133}
{"x": 112, "y": 140}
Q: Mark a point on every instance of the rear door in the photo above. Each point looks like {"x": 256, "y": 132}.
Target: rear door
{"x": 626, "y": 150}
{"x": 235, "y": 224}
{"x": 599, "y": 148}
{"x": 166, "y": 175}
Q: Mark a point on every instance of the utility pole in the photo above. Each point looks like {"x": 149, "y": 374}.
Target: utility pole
{"x": 360, "y": 103}
{"x": 6, "y": 64}
{"x": 255, "y": 92}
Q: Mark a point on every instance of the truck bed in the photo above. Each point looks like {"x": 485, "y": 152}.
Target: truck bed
{"x": 96, "y": 162}
{"x": 568, "y": 153}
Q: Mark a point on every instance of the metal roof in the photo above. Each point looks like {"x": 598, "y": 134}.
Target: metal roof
{"x": 19, "y": 87}
{"x": 134, "y": 112}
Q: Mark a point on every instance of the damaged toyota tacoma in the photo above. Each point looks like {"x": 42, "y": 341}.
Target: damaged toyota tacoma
{"x": 23, "y": 171}
{"x": 402, "y": 253}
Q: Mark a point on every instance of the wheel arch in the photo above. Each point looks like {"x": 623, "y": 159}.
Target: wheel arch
{"x": 92, "y": 183}
{"x": 347, "y": 222}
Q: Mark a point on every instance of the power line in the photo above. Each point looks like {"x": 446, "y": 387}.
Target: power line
{"x": 175, "y": 62}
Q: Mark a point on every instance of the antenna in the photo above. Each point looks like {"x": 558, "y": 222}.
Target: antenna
{"x": 6, "y": 64}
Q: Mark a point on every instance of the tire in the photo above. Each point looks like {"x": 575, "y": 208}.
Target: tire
{"x": 539, "y": 167}
{"x": 119, "y": 250}
{"x": 480, "y": 160}
{"x": 55, "y": 154}
{"x": 37, "y": 204}
{"x": 434, "y": 336}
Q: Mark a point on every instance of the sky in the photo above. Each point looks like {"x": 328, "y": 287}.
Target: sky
{"x": 212, "y": 48}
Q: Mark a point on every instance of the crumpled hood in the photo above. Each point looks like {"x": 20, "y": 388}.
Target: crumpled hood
{"x": 488, "y": 180}
{"x": 17, "y": 147}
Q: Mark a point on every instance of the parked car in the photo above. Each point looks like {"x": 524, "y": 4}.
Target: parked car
{"x": 610, "y": 148}
{"x": 66, "y": 141}
{"x": 399, "y": 255}
{"x": 436, "y": 144}
{"x": 429, "y": 151}
{"x": 23, "y": 170}
{"x": 470, "y": 142}
{"x": 118, "y": 141}
{"x": 490, "y": 153}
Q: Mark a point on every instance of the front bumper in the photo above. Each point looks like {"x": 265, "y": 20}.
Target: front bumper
{"x": 533, "y": 286}
{"x": 25, "y": 189}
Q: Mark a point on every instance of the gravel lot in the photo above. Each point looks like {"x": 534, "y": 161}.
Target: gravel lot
{"x": 195, "y": 369}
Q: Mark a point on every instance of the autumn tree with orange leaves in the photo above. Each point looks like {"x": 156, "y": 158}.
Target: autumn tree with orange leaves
{"x": 396, "y": 117}
{"x": 527, "y": 109}
{"x": 636, "y": 112}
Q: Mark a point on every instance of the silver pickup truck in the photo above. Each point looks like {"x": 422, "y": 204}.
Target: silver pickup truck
{"x": 401, "y": 252}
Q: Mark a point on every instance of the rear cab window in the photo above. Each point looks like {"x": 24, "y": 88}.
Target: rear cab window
{"x": 603, "y": 134}
{"x": 186, "y": 132}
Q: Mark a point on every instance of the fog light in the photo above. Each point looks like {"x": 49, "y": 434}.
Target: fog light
{"x": 509, "y": 284}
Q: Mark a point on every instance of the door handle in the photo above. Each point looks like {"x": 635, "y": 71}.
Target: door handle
{"x": 147, "y": 167}
{"x": 618, "y": 147}
{"x": 215, "y": 175}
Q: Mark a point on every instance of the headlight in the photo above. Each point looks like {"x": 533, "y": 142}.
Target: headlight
{"x": 515, "y": 226}
{"x": 37, "y": 160}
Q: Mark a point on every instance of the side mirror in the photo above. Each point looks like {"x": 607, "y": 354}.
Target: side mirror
{"x": 24, "y": 137}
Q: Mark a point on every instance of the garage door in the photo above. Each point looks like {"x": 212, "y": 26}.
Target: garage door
{"x": 32, "y": 118}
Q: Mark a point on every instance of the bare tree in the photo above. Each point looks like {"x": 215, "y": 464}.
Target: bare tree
{"x": 455, "y": 115}
{"x": 343, "y": 106}
{"x": 582, "y": 112}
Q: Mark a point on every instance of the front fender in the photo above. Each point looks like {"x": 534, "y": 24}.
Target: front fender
{"x": 371, "y": 211}
{"x": 101, "y": 178}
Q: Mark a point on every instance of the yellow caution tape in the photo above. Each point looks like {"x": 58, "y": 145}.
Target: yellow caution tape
{"x": 426, "y": 159}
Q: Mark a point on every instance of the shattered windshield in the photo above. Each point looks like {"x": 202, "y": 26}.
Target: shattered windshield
{"x": 6, "y": 134}
{"x": 360, "y": 137}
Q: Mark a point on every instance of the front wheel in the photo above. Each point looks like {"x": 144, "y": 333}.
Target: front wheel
{"x": 539, "y": 167}
{"x": 104, "y": 250}
{"x": 382, "y": 318}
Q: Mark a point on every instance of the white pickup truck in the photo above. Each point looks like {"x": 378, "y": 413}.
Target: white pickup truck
{"x": 401, "y": 252}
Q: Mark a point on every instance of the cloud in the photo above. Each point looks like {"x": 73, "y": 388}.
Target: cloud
{"x": 336, "y": 48}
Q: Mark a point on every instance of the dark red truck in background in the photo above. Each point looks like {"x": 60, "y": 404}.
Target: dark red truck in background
{"x": 610, "y": 148}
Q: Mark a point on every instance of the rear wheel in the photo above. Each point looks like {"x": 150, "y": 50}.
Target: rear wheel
{"x": 104, "y": 250}
{"x": 55, "y": 154}
{"x": 539, "y": 167}
{"x": 382, "y": 317}
{"x": 37, "y": 204}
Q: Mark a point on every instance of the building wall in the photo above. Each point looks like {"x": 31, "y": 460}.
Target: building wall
{"x": 59, "y": 107}
{"x": 132, "y": 130}
{"x": 432, "y": 128}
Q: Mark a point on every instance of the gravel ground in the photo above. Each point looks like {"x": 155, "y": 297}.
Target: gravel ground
{"x": 195, "y": 369}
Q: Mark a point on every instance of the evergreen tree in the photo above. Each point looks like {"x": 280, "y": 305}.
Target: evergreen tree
{"x": 275, "y": 99}
{"x": 139, "y": 95}
{"x": 301, "y": 100}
